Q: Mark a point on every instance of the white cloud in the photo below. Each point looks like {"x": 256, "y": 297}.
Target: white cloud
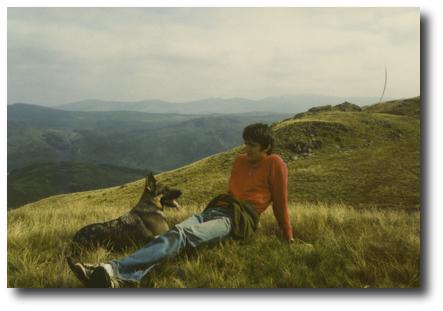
{"x": 57, "y": 55}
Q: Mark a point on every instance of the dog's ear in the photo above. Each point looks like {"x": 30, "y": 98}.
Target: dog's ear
{"x": 150, "y": 182}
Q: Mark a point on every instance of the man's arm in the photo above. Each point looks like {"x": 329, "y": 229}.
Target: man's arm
{"x": 279, "y": 192}
{"x": 230, "y": 176}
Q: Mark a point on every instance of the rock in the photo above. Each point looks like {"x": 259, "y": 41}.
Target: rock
{"x": 299, "y": 115}
{"x": 347, "y": 106}
{"x": 320, "y": 108}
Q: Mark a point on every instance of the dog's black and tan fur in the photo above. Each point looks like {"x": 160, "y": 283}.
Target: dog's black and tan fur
{"x": 138, "y": 226}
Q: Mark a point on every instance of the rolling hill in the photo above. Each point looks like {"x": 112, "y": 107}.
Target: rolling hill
{"x": 364, "y": 158}
{"x": 354, "y": 192}
{"x": 41, "y": 180}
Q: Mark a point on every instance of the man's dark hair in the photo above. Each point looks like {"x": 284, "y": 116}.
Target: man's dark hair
{"x": 259, "y": 133}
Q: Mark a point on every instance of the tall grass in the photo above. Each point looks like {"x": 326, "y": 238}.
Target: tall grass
{"x": 370, "y": 162}
{"x": 352, "y": 248}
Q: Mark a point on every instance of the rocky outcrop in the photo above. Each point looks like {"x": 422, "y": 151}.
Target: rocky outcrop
{"x": 300, "y": 140}
{"x": 345, "y": 106}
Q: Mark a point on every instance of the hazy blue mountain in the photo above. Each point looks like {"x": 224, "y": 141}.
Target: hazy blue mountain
{"x": 138, "y": 140}
{"x": 280, "y": 104}
{"x": 52, "y": 151}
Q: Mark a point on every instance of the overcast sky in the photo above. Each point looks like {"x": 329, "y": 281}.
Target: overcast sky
{"x": 61, "y": 55}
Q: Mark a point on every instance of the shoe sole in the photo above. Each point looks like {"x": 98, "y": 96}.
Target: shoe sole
{"x": 100, "y": 278}
{"x": 78, "y": 271}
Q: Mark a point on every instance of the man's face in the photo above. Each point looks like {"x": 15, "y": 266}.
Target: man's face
{"x": 254, "y": 152}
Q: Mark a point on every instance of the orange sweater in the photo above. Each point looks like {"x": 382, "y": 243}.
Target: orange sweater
{"x": 263, "y": 183}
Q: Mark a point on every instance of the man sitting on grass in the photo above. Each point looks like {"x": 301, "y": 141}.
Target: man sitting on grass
{"x": 258, "y": 178}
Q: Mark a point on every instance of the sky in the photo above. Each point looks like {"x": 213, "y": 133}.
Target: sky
{"x": 61, "y": 55}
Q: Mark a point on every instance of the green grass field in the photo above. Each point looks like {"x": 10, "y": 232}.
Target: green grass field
{"x": 352, "y": 248}
{"x": 354, "y": 192}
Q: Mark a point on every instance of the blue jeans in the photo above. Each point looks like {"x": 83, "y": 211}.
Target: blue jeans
{"x": 209, "y": 226}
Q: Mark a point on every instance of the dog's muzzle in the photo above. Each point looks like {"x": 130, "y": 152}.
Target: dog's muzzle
{"x": 169, "y": 198}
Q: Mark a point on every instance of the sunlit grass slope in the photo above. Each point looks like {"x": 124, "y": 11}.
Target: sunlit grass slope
{"x": 354, "y": 192}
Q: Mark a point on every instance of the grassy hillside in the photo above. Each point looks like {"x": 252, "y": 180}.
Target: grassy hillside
{"x": 406, "y": 107}
{"x": 353, "y": 190}
{"x": 367, "y": 159}
{"x": 38, "y": 181}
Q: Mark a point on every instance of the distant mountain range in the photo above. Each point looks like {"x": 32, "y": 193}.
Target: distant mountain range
{"x": 281, "y": 104}
{"x": 368, "y": 158}
{"x": 136, "y": 140}
{"x": 53, "y": 151}
{"x": 46, "y": 145}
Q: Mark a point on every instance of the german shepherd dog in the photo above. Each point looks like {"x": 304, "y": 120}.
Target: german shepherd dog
{"x": 140, "y": 225}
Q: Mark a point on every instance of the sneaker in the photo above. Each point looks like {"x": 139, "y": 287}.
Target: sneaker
{"x": 82, "y": 271}
{"x": 103, "y": 277}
